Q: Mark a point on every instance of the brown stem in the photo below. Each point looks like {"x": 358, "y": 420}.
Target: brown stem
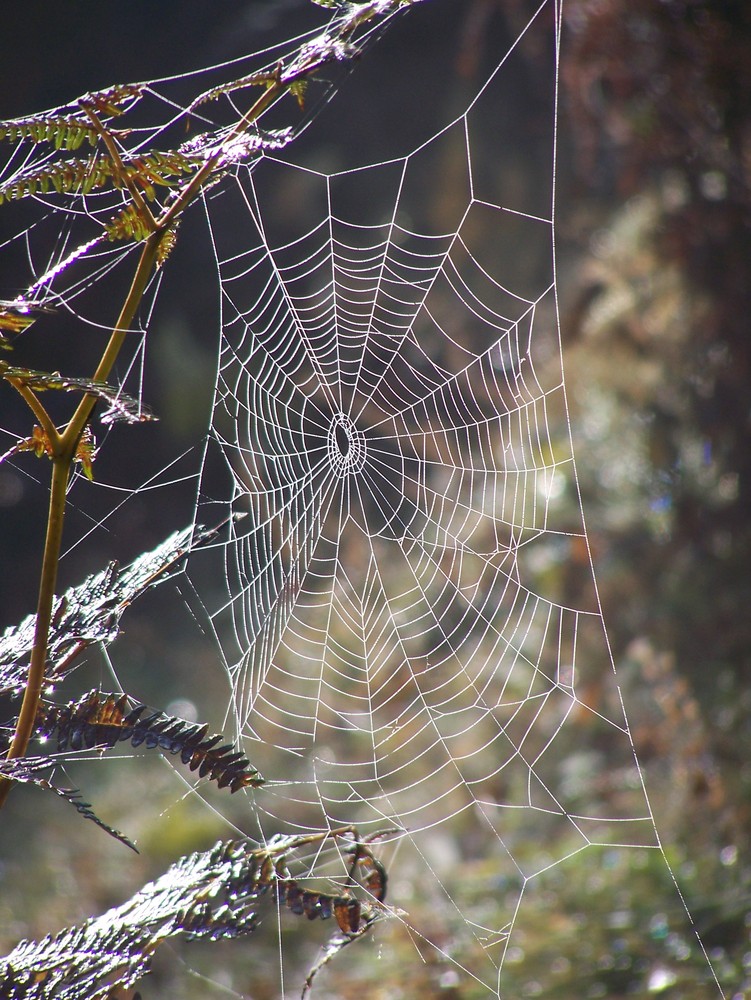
{"x": 80, "y": 418}
{"x": 48, "y": 580}
{"x": 64, "y": 444}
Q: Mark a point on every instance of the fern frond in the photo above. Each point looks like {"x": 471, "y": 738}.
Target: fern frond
{"x": 214, "y": 895}
{"x": 122, "y": 406}
{"x": 161, "y": 168}
{"x": 64, "y": 177}
{"x": 128, "y": 224}
{"x": 167, "y": 244}
{"x": 297, "y": 90}
{"x": 84, "y": 175}
{"x": 109, "y": 102}
{"x": 27, "y": 771}
{"x": 68, "y": 131}
{"x": 104, "y": 720}
{"x": 64, "y": 132}
{"x": 14, "y": 318}
{"x": 91, "y": 612}
{"x": 39, "y": 443}
{"x": 262, "y": 78}
{"x": 334, "y": 945}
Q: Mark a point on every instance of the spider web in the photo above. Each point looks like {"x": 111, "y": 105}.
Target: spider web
{"x": 391, "y": 420}
{"x": 407, "y": 615}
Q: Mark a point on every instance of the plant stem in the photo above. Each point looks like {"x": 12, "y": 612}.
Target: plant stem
{"x": 39, "y": 412}
{"x": 64, "y": 444}
{"x": 120, "y": 172}
{"x": 48, "y": 580}
{"x": 80, "y": 418}
{"x": 61, "y": 465}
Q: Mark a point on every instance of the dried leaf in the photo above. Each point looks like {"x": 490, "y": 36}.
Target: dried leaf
{"x": 213, "y": 895}
{"x": 104, "y": 720}
{"x": 40, "y": 445}
{"x": 86, "y": 452}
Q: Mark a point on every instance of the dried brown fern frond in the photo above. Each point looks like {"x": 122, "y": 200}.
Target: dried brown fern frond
{"x": 213, "y": 895}
{"x": 104, "y": 720}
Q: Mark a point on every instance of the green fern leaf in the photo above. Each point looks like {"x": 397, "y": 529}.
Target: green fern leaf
{"x": 159, "y": 168}
{"x": 86, "y": 175}
{"x": 62, "y": 131}
{"x": 127, "y": 225}
{"x": 64, "y": 177}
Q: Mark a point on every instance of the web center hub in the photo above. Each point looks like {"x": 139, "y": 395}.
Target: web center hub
{"x": 345, "y": 446}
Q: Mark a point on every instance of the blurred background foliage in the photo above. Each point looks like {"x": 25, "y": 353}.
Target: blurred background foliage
{"x": 654, "y": 268}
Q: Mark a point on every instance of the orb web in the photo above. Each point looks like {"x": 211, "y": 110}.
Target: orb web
{"x": 391, "y": 420}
